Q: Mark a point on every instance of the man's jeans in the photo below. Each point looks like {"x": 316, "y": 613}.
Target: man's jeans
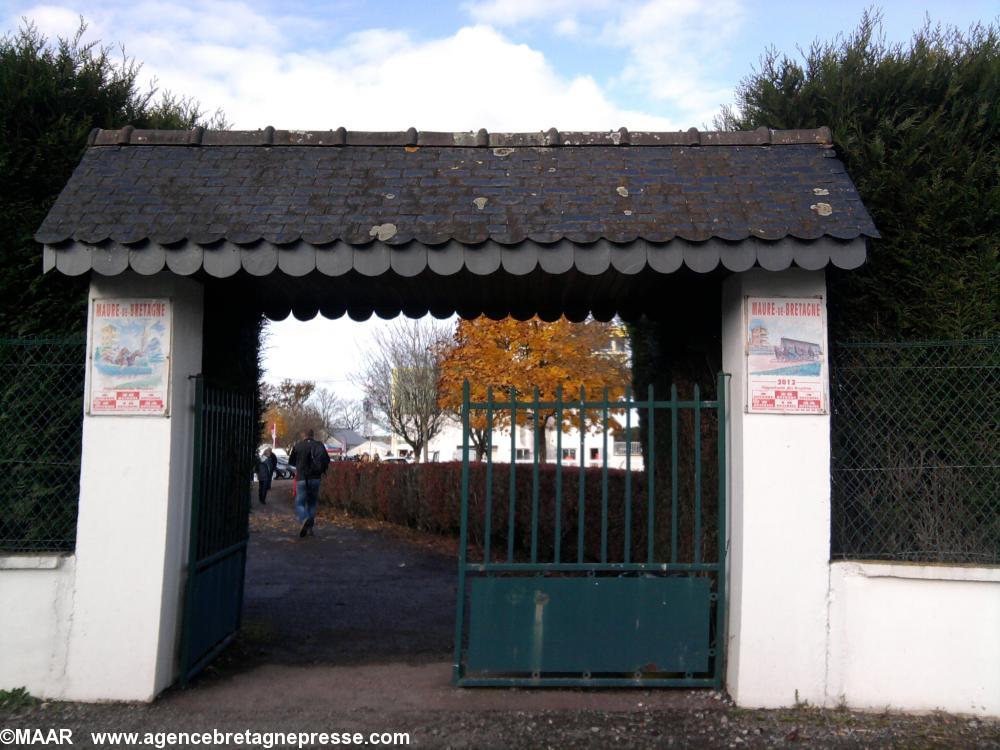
{"x": 306, "y": 498}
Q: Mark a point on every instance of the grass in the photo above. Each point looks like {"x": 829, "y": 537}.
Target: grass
{"x": 18, "y": 698}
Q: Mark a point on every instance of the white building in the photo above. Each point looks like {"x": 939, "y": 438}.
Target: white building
{"x": 447, "y": 446}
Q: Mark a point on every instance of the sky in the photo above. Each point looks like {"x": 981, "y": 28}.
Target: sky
{"x": 505, "y": 65}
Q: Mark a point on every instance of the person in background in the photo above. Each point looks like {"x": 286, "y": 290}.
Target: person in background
{"x": 310, "y": 459}
{"x": 267, "y": 462}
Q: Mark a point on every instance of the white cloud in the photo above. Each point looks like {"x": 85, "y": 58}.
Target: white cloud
{"x": 52, "y": 20}
{"x": 514, "y": 12}
{"x": 228, "y": 55}
{"x": 675, "y": 49}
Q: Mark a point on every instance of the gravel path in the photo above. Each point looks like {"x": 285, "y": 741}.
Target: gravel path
{"x": 350, "y": 631}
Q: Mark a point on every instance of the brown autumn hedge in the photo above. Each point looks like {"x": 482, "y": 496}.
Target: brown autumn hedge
{"x": 428, "y": 497}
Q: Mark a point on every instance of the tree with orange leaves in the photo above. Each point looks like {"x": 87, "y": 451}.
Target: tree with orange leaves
{"x": 510, "y": 354}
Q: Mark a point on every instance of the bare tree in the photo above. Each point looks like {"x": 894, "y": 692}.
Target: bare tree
{"x": 400, "y": 375}
{"x": 329, "y": 406}
{"x": 351, "y": 415}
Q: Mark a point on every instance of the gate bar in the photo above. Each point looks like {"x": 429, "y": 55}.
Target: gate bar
{"x": 535, "y": 481}
{"x": 628, "y": 474}
{"x": 604, "y": 484}
{"x": 559, "y": 417}
{"x": 720, "y": 601}
{"x": 196, "y": 493}
{"x": 513, "y": 470}
{"x": 581, "y": 502}
{"x": 488, "y": 521}
{"x": 673, "y": 472}
{"x": 462, "y": 538}
{"x": 697, "y": 476}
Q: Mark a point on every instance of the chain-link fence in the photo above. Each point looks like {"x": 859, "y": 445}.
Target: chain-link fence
{"x": 41, "y": 419}
{"x": 916, "y": 451}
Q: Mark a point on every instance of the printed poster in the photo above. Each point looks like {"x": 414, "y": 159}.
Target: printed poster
{"x": 786, "y": 363}
{"x": 130, "y": 357}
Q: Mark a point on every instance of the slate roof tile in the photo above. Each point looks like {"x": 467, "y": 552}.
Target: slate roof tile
{"x": 281, "y": 186}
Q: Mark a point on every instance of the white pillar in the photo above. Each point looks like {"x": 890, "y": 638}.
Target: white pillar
{"x": 779, "y": 522}
{"x": 135, "y": 491}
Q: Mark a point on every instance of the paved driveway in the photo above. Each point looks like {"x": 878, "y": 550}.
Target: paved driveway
{"x": 344, "y": 596}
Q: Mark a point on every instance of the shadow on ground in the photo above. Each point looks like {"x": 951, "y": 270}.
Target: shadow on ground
{"x": 345, "y": 596}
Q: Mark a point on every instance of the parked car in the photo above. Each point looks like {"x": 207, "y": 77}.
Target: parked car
{"x": 396, "y": 460}
{"x": 283, "y": 470}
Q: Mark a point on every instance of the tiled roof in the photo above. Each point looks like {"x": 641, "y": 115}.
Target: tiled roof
{"x": 285, "y": 187}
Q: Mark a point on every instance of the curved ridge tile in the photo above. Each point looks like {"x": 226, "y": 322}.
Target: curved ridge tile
{"x": 52, "y": 235}
{"x": 297, "y": 259}
{"x": 186, "y": 259}
{"x": 582, "y": 237}
{"x": 432, "y": 237}
{"x": 555, "y": 259}
{"x": 305, "y": 311}
{"x": 509, "y": 237}
{"x": 659, "y": 237}
{"x": 447, "y": 259}
{"x": 283, "y": 236}
{"x": 517, "y": 261}
{"x": 482, "y": 260}
{"x": 695, "y": 234}
{"x": 408, "y": 260}
{"x": 667, "y": 258}
{"x": 850, "y": 255}
{"x": 109, "y": 259}
{"x": 242, "y": 237}
{"x": 702, "y": 257}
{"x": 130, "y": 234}
{"x": 320, "y": 235}
{"x": 168, "y": 236}
{"x": 738, "y": 256}
{"x": 205, "y": 237}
{"x": 372, "y": 260}
{"x": 811, "y": 256}
{"x": 776, "y": 256}
{"x": 333, "y": 310}
{"x": 91, "y": 235}
{"x": 147, "y": 260}
{"x": 335, "y": 260}
{"x": 472, "y": 234}
{"x": 359, "y": 314}
{"x": 260, "y": 260}
{"x": 594, "y": 259}
{"x": 48, "y": 258}
{"x": 629, "y": 259}
{"x": 415, "y": 311}
{"x": 222, "y": 261}
{"x": 74, "y": 260}
{"x": 277, "y": 312}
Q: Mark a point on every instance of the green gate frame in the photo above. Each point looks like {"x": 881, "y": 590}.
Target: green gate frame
{"x": 610, "y": 618}
{"x": 220, "y": 513}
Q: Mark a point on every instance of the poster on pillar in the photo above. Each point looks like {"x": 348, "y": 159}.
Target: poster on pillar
{"x": 786, "y": 361}
{"x": 130, "y": 357}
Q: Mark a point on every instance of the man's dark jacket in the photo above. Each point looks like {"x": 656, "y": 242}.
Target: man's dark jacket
{"x": 310, "y": 459}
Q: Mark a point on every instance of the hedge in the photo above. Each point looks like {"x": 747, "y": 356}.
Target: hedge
{"x": 428, "y": 497}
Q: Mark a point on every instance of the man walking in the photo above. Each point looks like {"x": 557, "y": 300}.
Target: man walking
{"x": 310, "y": 459}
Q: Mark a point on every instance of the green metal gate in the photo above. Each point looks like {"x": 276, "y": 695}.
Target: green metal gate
{"x": 593, "y": 576}
{"x": 220, "y": 508}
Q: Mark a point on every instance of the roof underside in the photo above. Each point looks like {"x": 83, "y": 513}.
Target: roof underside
{"x": 474, "y": 223}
